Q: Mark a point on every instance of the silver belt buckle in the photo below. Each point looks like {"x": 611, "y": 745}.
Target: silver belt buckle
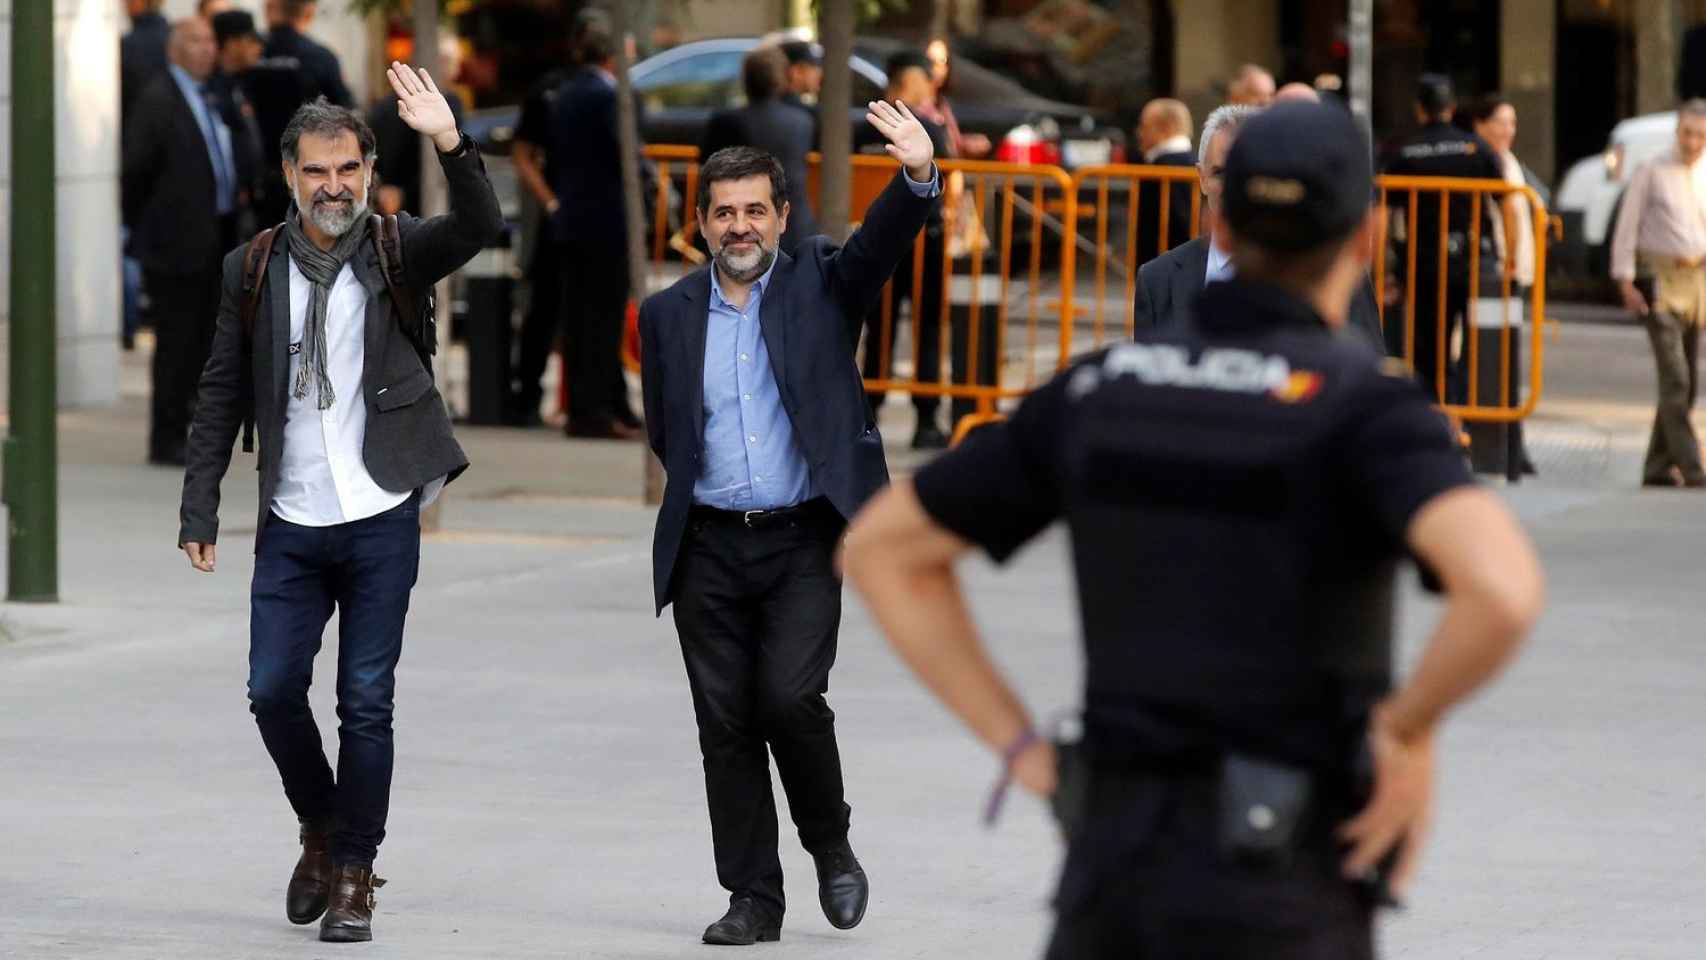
{"x": 747, "y": 517}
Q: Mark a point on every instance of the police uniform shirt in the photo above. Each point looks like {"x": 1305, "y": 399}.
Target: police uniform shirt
{"x": 1237, "y": 493}
{"x": 1442, "y": 150}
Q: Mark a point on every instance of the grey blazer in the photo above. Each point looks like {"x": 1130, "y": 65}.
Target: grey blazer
{"x": 409, "y": 440}
{"x": 1167, "y": 288}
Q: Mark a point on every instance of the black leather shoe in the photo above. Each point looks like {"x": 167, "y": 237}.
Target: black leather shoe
{"x": 745, "y": 923}
{"x": 311, "y": 882}
{"x": 842, "y": 889}
{"x": 349, "y": 917}
{"x": 929, "y": 437}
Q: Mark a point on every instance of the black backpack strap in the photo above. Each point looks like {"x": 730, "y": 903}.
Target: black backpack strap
{"x": 255, "y": 260}
{"x": 416, "y": 317}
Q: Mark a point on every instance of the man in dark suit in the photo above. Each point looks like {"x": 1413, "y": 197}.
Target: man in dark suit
{"x": 583, "y": 167}
{"x": 182, "y": 204}
{"x": 1164, "y": 136}
{"x": 287, "y": 39}
{"x": 767, "y": 123}
{"x": 1167, "y": 287}
{"x": 755, "y": 406}
{"x": 354, "y": 439}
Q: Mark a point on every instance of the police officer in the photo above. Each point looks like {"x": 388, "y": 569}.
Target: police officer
{"x": 1440, "y": 149}
{"x": 1238, "y": 493}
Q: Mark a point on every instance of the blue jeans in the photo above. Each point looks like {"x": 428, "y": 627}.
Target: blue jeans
{"x": 365, "y": 569}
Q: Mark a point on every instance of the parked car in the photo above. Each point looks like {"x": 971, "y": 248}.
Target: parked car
{"x": 682, "y": 86}
{"x": 1591, "y": 192}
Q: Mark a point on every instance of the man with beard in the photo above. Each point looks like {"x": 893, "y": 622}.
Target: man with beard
{"x": 354, "y": 438}
{"x": 755, "y": 406}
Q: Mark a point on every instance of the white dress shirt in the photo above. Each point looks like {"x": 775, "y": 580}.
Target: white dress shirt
{"x": 1174, "y": 144}
{"x": 323, "y": 479}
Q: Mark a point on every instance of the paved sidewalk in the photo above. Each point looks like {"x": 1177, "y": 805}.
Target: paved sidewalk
{"x": 549, "y": 800}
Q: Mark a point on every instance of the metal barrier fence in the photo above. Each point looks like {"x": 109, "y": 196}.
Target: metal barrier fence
{"x": 1003, "y": 278}
{"x": 1446, "y": 274}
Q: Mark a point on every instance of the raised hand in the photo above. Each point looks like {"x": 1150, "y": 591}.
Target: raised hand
{"x": 908, "y": 141}
{"x": 422, "y": 107}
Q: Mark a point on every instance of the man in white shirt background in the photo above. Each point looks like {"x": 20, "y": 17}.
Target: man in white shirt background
{"x": 1164, "y": 136}
{"x": 353, "y": 437}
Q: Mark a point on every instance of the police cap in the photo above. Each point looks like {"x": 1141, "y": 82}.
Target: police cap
{"x": 1298, "y": 176}
{"x": 233, "y": 24}
{"x": 799, "y": 51}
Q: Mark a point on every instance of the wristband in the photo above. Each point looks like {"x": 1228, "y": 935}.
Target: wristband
{"x": 1021, "y": 743}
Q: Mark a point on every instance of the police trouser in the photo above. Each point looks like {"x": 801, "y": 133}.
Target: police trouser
{"x": 1435, "y": 326}
{"x": 1145, "y": 878}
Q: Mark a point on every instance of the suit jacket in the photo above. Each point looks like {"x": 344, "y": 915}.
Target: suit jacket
{"x": 813, "y": 311}
{"x": 408, "y": 441}
{"x": 785, "y": 133}
{"x": 1149, "y": 200}
{"x": 168, "y": 189}
{"x": 1167, "y": 289}
{"x": 316, "y": 62}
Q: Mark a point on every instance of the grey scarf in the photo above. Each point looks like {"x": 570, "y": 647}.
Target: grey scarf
{"x": 321, "y": 268}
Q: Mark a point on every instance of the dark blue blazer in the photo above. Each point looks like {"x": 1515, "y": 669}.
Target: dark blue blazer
{"x": 813, "y": 311}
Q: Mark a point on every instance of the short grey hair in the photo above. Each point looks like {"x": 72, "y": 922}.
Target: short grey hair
{"x": 1693, "y": 107}
{"x": 323, "y": 118}
{"x": 1224, "y": 119}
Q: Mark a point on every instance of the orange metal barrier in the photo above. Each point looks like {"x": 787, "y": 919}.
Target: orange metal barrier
{"x": 1400, "y": 259}
{"x": 1039, "y": 233}
{"x": 989, "y": 282}
{"x": 677, "y": 187}
{"x": 1113, "y": 202}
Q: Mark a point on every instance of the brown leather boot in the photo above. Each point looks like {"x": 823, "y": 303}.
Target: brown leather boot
{"x": 349, "y": 918}
{"x": 311, "y": 881}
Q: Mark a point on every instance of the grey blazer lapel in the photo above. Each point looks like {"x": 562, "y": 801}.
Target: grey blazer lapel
{"x": 278, "y": 285}
{"x": 365, "y": 263}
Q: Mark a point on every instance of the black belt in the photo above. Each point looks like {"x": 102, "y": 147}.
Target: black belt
{"x": 814, "y": 510}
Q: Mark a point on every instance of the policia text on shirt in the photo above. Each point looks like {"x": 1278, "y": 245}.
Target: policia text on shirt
{"x": 1248, "y": 764}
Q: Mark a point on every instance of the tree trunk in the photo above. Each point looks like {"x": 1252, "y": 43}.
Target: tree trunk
{"x": 835, "y": 23}
{"x": 940, "y": 11}
{"x": 434, "y": 200}
{"x": 628, "y": 134}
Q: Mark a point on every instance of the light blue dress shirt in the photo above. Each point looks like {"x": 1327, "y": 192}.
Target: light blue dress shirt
{"x": 1219, "y": 265}
{"x": 215, "y": 135}
{"x": 752, "y": 460}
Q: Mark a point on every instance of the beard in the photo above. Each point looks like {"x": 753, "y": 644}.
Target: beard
{"x": 746, "y": 266}
{"x": 333, "y": 215}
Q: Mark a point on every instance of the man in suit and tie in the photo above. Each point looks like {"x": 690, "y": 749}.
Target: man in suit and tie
{"x": 767, "y": 123}
{"x": 181, "y": 204}
{"x": 755, "y": 405}
{"x": 354, "y": 438}
{"x": 1167, "y": 286}
{"x": 1164, "y": 136}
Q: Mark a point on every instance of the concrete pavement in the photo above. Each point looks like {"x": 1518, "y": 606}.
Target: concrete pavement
{"x": 548, "y": 799}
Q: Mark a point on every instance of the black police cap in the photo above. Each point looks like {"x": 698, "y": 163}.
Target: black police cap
{"x": 799, "y": 51}
{"x": 1434, "y": 93}
{"x": 1298, "y": 176}
{"x": 233, "y": 24}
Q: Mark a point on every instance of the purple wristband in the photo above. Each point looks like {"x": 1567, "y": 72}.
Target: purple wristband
{"x": 1025, "y": 740}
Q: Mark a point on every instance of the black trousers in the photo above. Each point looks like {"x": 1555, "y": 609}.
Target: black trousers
{"x": 183, "y": 308}
{"x": 926, "y": 325}
{"x": 988, "y": 357}
{"x": 365, "y": 570}
{"x": 592, "y": 309}
{"x": 1428, "y": 357}
{"x": 541, "y": 326}
{"x": 1145, "y": 879}
{"x": 758, "y": 612}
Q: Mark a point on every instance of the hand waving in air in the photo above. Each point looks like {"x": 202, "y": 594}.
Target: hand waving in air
{"x": 422, "y": 107}
{"x": 908, "y": 141}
